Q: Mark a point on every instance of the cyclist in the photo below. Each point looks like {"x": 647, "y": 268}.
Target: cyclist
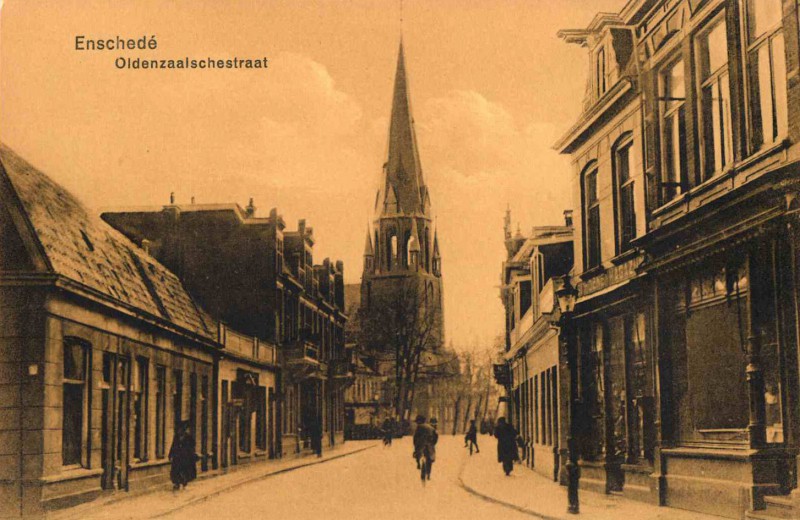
{"x": 425, "y": 438}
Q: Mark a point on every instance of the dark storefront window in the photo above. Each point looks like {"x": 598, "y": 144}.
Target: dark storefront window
{"x": 716, "y": 332}
{"x": 74, "y": 384}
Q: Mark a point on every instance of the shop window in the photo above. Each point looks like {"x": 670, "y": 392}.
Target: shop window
{"x": 75, "y": 408}
{"x": 715, "y": 98}
{"x": 672, "y": 86}
{"x": 716, "y": 335}
{"x": 766, "y": 63}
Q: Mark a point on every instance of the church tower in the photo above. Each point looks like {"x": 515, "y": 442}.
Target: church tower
{"x": 402, "y": 246}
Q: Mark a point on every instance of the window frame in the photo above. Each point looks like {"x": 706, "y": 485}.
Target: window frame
{"x": 592, "y": 255}
{"x": 672, "y": 110}
{"x": 623, "y": 242}
{"x": 756, "y": 139}
{"x": 719, "y": 81}
{"x": 83, "y": 458}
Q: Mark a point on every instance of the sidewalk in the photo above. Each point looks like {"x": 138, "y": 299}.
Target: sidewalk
{"x": 531, "y": 493}
{"x": 161, "y": 501}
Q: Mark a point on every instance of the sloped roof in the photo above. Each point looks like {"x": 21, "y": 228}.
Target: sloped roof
{"x": 83, "y": 248}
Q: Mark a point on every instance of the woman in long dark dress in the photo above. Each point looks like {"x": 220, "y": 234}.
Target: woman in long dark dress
{"x": 506, "y": 445}
{"x": 182, "y": 457}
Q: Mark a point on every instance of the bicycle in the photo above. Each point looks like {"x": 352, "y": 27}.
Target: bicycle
{"x": 424, "y": 467}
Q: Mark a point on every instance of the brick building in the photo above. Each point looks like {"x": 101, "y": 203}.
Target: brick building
{"x": 531, "y": 274}
{"x": 260, "y": 278}
{"x": 685, "y": 177}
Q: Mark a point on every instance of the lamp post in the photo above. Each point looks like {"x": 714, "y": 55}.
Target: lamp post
{"x": 567, "y": 296}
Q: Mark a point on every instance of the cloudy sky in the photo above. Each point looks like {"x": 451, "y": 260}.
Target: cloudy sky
{"x": 492, "y": 88}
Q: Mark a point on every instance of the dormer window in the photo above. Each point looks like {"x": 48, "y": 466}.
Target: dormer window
{"x": 600, "y": 72}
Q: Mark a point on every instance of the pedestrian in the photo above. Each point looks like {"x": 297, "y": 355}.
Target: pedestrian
{"x": 182, "y": 457}
{"x": 315, "y": 431}
{"x": 425, "y": 439}
{"x": 471, "y": 438}
{"x": 506, "y": 444}
{"x": 388, "y": 432}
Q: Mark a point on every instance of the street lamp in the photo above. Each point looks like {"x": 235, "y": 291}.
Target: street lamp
{"x": 567, "y": 296}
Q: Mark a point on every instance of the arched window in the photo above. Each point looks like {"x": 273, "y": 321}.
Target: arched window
{"x": 427, "y": 250}
{"x": 591, "y": 216}
{"x": 624, "y": 199}
{"x": 392, "y": 251}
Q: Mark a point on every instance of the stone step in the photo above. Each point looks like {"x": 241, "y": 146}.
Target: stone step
{"x": 777, "y": 508}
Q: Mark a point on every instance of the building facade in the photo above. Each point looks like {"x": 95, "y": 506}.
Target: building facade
{"x": 531, "y": 274}
{"x": 685, "y": 181}
{"x": 260, "y": 278}
{"x": 104, "y": 352}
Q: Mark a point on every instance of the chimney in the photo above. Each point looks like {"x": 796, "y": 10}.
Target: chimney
{"x": 146, "y": 245}
{"x": 192, "y": 199}
{"x": 568, "y": 217}
{"x": 250, "y": 210}
{"x": 172, "y": 197}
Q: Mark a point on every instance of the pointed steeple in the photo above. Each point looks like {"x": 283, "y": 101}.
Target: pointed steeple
{"x": 403, "y": 171}
{"x": 437, "y": 257}
{"x": 368, "y": 250}
{"x": 414, "y": 240}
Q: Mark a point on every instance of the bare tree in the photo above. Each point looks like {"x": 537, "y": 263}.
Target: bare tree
{"x": 402, "y": 328}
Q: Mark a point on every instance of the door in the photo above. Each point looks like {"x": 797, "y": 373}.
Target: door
{"x": 271, "y": 422}
{"x": 122, "y": 422}
{"x": 115, "y": 421}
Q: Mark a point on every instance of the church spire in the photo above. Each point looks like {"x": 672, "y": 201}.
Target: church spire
{"x": 403, "y": 171}
{"x": 368, "y": 250}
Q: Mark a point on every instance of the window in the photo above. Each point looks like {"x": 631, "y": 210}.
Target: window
{"x": 625, "y": 212}
{"x": 140, "y": 409}
{"x": 75, "y": 409}
{"x": 592, "y": 233}
{"x": 766, "y": 61}
{"x": 524, "y": 297}
{"x": 600, "y": 72}
{"x": 715, "y": 98}
{"x": 177, "y": 398}
{"x": 673, "y": 131}
{"x": 193, "y": 405}
{"x": 161, "y": 407}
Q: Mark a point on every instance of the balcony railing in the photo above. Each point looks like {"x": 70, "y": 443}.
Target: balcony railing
{"x": 246, "y": 346}
{"x": 302, "y": 351}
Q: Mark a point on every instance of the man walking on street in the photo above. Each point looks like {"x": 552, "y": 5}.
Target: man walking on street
{"x": 471, "y": 438}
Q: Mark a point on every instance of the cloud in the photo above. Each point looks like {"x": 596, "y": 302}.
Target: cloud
{"x": 477, "y": 158}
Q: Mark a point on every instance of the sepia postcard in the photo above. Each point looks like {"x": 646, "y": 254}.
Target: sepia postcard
{"x": 431, "y": 259}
